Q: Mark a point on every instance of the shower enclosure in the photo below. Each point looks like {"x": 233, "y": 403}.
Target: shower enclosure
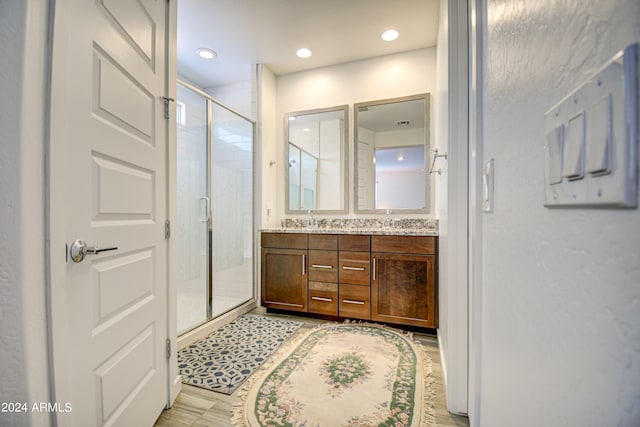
{"x": 215, "y": 208}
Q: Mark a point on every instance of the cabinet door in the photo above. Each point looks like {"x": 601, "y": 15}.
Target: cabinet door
{"x": 403, "y": 289}
{"x": 284, "y": 279}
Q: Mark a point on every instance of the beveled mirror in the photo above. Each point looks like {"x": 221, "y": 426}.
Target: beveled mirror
{"x": 316, "y": 156}
{"x": 391, "y": 149}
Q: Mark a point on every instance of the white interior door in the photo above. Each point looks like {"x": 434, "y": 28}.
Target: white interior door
{"x": 108, "y": 187}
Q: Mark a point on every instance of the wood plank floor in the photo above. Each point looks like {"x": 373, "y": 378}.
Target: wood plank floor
{"x": 197, "y": 407}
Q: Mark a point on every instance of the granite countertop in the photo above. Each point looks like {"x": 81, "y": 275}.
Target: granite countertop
{"x": 373, "y": 231}
{"x": 375, "y": 226}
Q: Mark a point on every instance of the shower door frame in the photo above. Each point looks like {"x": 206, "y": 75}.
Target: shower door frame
{"x": 209, "y": 235}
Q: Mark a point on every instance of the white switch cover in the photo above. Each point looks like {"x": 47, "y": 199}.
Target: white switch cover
{"x": 573, "y": 166}
{"x": 600, "y": 122}
{"x": 599, "y": 139}
{"x": 553, "y": 154}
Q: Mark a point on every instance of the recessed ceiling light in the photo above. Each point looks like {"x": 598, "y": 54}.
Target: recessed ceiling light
{"x": 400, "y": 157}
{"x": 206, "y": 53}
{"x": 303, "y": 53}
{"x": 389, "y": 35}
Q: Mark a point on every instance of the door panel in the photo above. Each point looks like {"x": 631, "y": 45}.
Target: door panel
{"x": 403, "y": 289}
{"x": 135, "y": 25}
{"x": 133, "y": 112}
{"x": 108, "y": 186}
{"x": 231, "y": 186}
{"x": 193, "y": 211}
{"x": 110, "y": 177}
{"x": 284, "y": 279}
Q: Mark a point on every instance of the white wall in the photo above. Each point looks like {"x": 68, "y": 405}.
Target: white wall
{"x": 238, "y": 96}
{"x": 561, "y": 288}
{"x": 391, "y": 76}
{"x": 267, "y": 124}
{"x": 23, "y": 345}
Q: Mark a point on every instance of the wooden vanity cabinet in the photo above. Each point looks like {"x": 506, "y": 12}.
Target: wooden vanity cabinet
{"x": 284, "y": 271}
{"x": 403, "y": 286}
{"x": 385, "y": 278}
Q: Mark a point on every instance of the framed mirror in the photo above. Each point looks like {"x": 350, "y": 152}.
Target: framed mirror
{"x": 391, "y": 149}
{"x": 316, "y": 155}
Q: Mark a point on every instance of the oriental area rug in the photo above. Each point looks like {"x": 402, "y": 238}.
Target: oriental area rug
{"x": 342, "y": 375}
{"x": 223, "y": 360}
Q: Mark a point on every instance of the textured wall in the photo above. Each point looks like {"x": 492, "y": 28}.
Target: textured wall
{"x": 23, "y": 345}
{"x": 561, "y": 288}
{"x": 12, "y": 369}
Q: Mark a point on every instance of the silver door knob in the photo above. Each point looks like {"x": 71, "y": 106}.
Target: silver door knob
{"x": 79, "y": 250}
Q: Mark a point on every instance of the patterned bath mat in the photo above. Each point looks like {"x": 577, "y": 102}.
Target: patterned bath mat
{"x": 352, "y": 375}
{"x": 223, "y": 360}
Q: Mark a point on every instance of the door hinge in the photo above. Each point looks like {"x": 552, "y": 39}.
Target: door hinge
{"x": 168, "y": 348}
{"x": 167, "y": 229}
{"x": 166, "y": 101}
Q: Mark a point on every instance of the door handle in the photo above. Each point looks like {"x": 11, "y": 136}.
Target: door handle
{"x": 79, "y": 250}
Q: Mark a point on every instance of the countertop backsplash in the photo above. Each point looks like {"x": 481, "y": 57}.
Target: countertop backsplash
{"x": 393, "y": 226}
{"x": 363, "y": 223}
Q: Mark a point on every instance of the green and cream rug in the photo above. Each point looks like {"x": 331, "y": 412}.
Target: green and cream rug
{"x": 342, "y": 375}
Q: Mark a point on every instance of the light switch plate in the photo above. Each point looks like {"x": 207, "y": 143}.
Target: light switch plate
{"x": 598, "y": 139}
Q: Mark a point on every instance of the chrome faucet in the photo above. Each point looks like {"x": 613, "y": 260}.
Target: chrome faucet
{"x": 387, "y": 219}
{"x": 311, "y": 221}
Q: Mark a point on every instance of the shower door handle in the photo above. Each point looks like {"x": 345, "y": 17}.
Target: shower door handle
{"x": 207, "y": 208}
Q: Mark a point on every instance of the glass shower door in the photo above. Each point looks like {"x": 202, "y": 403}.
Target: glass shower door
{"x": 192, "y": 199}
{"x": 231, "y": 186}
{"x": 215, "y": 147}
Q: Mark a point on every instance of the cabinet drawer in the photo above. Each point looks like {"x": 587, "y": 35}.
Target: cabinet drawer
{"x": 284, "y": 240}
{"x": 355, "y": 301}
{"x": 323, "y": 266}
{"x": 326, "y": 242}
{"x": 354, "y": 243}
{"x": 425, "y": 245}
{"x": 355, "y": 268}
{"x": 323, "y": 298}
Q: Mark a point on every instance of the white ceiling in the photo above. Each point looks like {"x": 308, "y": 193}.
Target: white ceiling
{"x": 246, "y": 32}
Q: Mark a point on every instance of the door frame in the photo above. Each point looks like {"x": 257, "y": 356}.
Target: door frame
{"x": 174, "y": 379}
{"x": 477, "y": 29}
